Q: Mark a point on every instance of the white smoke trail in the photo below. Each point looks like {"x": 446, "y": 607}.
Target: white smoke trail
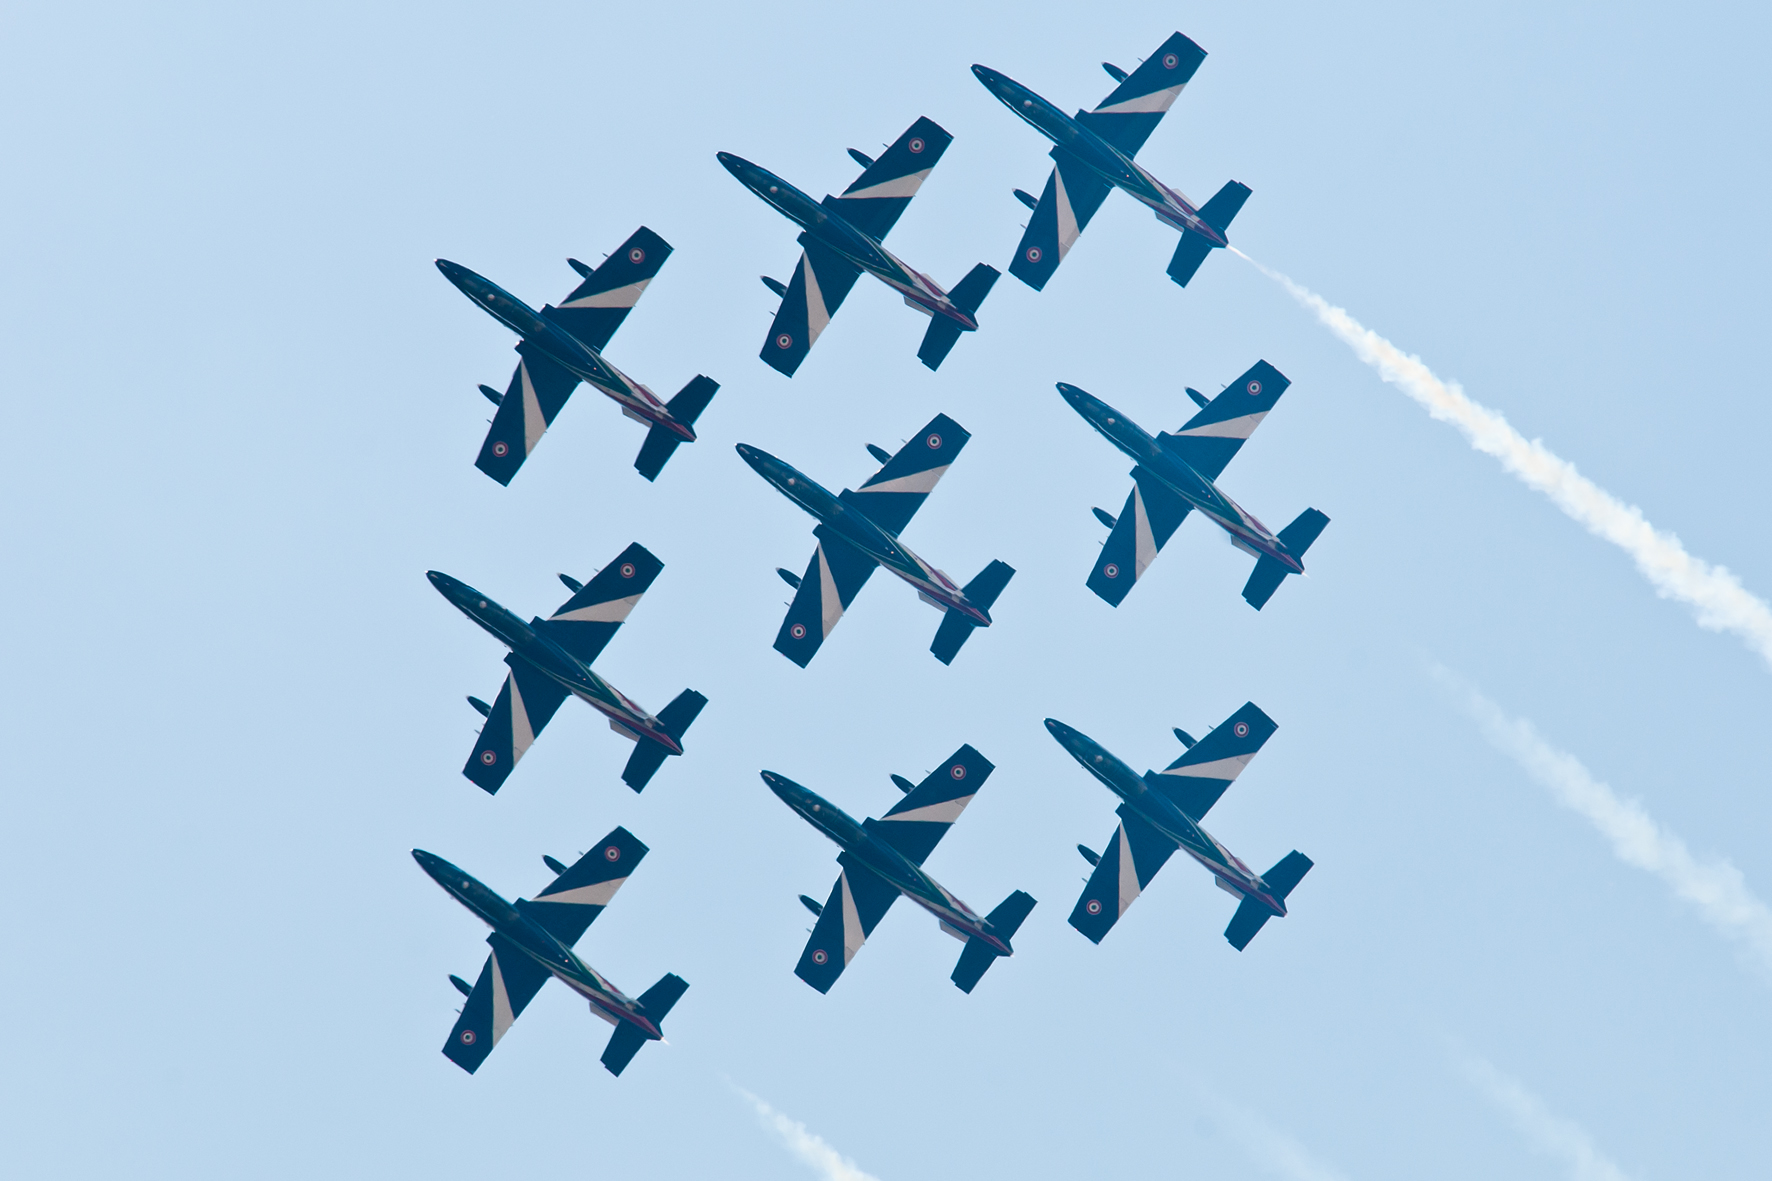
{"x": 1550, "y": 1134}
{"x": 1270, "y": 1148}
{"x": 1714, "y": 887}
{"x": 824, "y": 1160}
{"x": 1715, "y": 595}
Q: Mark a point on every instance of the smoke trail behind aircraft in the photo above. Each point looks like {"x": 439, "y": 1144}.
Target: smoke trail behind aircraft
{"x": 1716, "y": 596}
{"x": 1550, "y": 1134}
{"x": 1715, "y": 887}
{"x": 824, "y": 1160}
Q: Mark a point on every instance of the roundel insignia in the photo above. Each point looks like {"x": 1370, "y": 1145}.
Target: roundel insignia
{"x": 916, "y": 145}
{"x": 636, "y": 255}
{"x": 784, "y": 341}
{"x": 1111, "y": 570}
{"x": 1094, "y": 907}
{"x": 1034, "y": 254}
{"x": 627, "y": 569}
{"x": 959, "y": 771}
{"x": 1170, "y": 61}
{"x": 1254, "y": 388}
{"x": 488, "y": 757}
{"x": 934, "y": 442}
{"x": 612, "y": 854}
{"x": 501, "y": 449}
{"x": 819, "y": 957}
{"x": 1242, "y": 729}
{"x": 467, "y": 1037}
{"x": 798, "y": 631}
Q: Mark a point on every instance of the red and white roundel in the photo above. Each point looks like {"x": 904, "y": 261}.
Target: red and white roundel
{"x": 636, "y": 255}
{"x": 1094, "y": 907}
{"x": 467, "y": 1037}
{"x": 934, "y": 442}
{"x": 798, "y": 631}
{"x": 501, "y": 449}
{"x": 784, "y": 341}
{"x": 1111, "y": 570}
{"x": 627, "y": 569}
{"x": 1170, "y": 61}
{"x": 1034, "y": 254}
{"x": 916, "y": 145}
{"x": 612, "y": 854}
{"x": 1254, "y": 389}
{"x": 1242, "y": 729}
{"x": 959, "y": 771}
{"x": 819, "y": 957}
{"x": 488, "y": 757}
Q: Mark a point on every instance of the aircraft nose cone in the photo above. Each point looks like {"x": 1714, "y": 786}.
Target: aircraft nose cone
{"x": 758, "y": 459}
{"x": 779, "y": 784}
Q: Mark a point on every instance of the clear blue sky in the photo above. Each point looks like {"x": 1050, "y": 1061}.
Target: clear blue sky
{"x": 241, "y": 414}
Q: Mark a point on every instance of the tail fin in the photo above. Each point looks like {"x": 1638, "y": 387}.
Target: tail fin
{"x": 1192, "y": 250}
{"x": 627, "y": 1039}
{"x": 979, "y": 955}
{"x": 1296, "y": 537}
{"x": 649, "y": 756}
{"x": 1251, "y": 915}
{"x": 686, "y": 407}
{"x": 967, "y": 294}
{"x": 981, "y": 592}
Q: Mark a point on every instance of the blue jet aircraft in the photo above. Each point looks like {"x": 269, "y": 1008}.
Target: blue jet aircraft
{"x": 1176, "y": 473}
{"x": 532, "y": 940}
{"x": 562, "y": 346}
{"x": 1093, "y": 156}
{"x": 551, "y": 660}
{"x": 1161, "y": 813}
{"x": 883, "y": 858}
{"x": 858, "y": 532}
{"x": 842, "y": 239}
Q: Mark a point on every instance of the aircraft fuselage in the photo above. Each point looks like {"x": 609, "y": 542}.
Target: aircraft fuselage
{"x": 860, "y": 531}
{"x": 857, "y": 841}
{"x": 830, "y": 229}
{"x": 1160, "y": 813}
{"x": 1200, "y": 493}
{"x": 533, "y": 645}
{"x": 534, "y": 941}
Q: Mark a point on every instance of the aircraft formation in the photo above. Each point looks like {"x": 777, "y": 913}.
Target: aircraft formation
{"x": 858, "y": 531}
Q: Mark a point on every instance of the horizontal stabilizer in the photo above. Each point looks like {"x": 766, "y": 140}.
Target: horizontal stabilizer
{"x": 1269, "y": 573}
{"x": 624, "y": 1043}
{"x": 969, "y": 292}
{"x": 658, "y": 1000}
{"x": 1251, "y": 916}
{"x": 1004, "y": 921}
{"x": 649, "y": 756}
{"x": 1283, "y": 878}
{"x": 1190, "y": 252}
{"x": 939, "y": 340}
{"x": 1226, "y": 203}
{"x": 662, "y": 442}
{"x": 981, "y": 592}
{"x": 1303, "y": 532}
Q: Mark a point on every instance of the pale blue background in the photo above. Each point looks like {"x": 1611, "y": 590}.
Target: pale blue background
{"x": 240, "y": 424}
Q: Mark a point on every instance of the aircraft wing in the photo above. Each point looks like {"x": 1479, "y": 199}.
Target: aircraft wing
{"x": 597, "y": 306}
{"x": 1152, "y": 514}
{"x": 834, "y": 577}
{"x": 1072, "y": 195}
{"x": 880, "y": 194}
{"x": 1212, "y": 437}
{"x": 585, "y": 623}
{"x": 572, "y": 901}
{"x": 507, "y": 984}
{"x": 525, "y": 704}
{"x": 858, "y": 902}
{"x": 1133, "y": 857}
{"x": 538, "y": 391}
{"x": 1127, "y": 117}
{"x": 892, "y": 496}
{"x": 820, "y": 284}
{"x": 1196, "y": 780}
{"x": 916, "y": 824}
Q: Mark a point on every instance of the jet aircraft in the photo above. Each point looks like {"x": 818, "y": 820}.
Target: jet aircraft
{"x": 841, "y": 239}
{"x": 533, "y": 940}
{"x": 1093, "y": 156}
{"x": 1177, "y": 473}
{"x": 858, "y": 532}
{"x": 1161, "y": 813}
{"x": 550, "y": 660}
{"x": 562, "y": 346}
{"x": 883, "y": 858}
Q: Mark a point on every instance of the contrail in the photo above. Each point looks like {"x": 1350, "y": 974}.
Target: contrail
{"x": 1268, "y": 1147}
{"x": 824, "y": 1160}
{"x": 1715, "y": 887}
{"x": 1715, "y": 595}
{"x": 1550, "y": 1134}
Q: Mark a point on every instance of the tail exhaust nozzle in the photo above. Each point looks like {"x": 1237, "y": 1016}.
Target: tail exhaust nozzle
{"x": 944, "y": 332}
{"x": 981, "y": 592}
{"x": 661, "y": 442}
{"x": 1004, "y": 922}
